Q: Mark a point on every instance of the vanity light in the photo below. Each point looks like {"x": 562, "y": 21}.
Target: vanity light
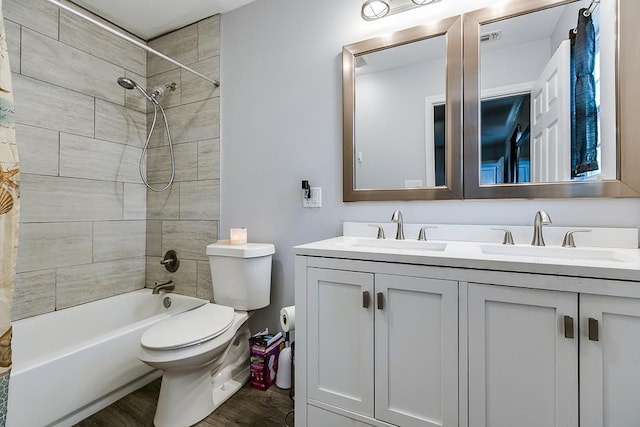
{"x": 376, "y": 9}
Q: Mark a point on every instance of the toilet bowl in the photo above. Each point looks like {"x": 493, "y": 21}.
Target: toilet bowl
{"x": 204, "y": 353}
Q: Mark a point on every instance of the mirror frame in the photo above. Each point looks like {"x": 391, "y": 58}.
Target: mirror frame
{"x": 451, "y": 28}
{"x": 627, "y": 183}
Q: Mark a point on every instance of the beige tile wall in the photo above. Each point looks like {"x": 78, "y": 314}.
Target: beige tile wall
{"x": 90, "y": 228}
{"x": 83, "y": 212}
{"x": 186, "y": 218}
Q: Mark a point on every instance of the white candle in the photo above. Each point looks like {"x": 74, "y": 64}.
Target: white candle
{"x": 238, "y": 236}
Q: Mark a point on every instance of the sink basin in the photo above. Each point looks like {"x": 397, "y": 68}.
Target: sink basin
{"x": 584, "y": 254}
{"x": 413, "y": 245}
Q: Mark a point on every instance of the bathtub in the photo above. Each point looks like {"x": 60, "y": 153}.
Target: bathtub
{"x": 71, "y": 363}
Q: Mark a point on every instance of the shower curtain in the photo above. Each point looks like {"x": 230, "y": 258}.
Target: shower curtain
{"x": 9, "y": 213}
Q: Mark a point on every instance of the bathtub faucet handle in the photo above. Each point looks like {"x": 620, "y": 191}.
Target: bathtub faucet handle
{"x": 166, "y": 286}
{"x": 171, "y": 261}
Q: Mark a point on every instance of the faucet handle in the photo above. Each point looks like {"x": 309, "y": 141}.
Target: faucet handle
{"x": 422, "y": 235}
{"x": 171, "y": 261}
{"x": 568, "y": 241}
{"x": 508, "y": 237}
{"x": 380, "y": 231}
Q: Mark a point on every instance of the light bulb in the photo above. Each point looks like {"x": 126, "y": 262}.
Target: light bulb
{"x": 374, "y": 9}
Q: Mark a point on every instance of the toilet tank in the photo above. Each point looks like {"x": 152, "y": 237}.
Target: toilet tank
{"x": 241, "y": 274}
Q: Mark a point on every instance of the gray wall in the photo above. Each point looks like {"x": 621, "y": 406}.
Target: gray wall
{"x": 185, "y": 218}
{"x": 281, "y": 123}
{"x": 79, "y": 136}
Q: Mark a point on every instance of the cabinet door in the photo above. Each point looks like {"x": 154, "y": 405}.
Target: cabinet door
{"x": 609, "y": 361}
{"x": 416, "y": 324}
{"x": 340, "y": 339}
{"x": 523, "y": 367}
{"x": 323, "y": 418}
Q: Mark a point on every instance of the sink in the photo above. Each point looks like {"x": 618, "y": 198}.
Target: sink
{"x": 584, "y": 254}
{"x": 413, "y": 245}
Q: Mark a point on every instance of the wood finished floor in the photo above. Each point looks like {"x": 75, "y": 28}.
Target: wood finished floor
{"x": 248, "y": 408}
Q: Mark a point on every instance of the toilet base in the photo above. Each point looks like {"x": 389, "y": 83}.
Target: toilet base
{"x": 188, "y": 397}
{"x": 229, "y": 380}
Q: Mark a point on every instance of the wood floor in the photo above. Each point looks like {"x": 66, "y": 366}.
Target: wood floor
{"x": 248, "y": 408}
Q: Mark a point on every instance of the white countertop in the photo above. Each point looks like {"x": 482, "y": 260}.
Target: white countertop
{"x": 591, "y": 262}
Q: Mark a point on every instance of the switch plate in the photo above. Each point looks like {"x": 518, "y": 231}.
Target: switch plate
{"x": 315, "y": 199}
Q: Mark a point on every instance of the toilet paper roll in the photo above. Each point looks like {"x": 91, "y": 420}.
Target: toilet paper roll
{"x": 288, "y": 318}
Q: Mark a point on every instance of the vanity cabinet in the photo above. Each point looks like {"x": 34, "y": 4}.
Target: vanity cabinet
{"x": 384, "y": 343}
{"x": 383, "y": 347}
{"x": 549, "y": 358}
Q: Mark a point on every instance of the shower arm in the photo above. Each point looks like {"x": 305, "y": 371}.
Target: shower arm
{"x": 216, "y": 83}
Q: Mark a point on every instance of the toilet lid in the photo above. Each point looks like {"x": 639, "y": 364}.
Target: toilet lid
{"x": 188, "y": 328}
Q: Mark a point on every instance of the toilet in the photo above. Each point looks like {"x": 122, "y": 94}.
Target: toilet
{"x": 204, "y": 353}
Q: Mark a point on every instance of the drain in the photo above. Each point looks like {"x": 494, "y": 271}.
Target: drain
{"x": 166, "y": 302}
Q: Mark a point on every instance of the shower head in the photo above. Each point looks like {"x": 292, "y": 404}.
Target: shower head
{"x": 127, "y": 83}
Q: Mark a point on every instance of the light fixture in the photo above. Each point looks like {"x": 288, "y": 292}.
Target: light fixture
{"x": 376, "y": 9}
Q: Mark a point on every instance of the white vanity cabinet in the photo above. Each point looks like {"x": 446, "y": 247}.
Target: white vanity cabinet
{"x": 382, "y": 348}
{"x": 450, "y": 336}
{"x": 528, "y": 347}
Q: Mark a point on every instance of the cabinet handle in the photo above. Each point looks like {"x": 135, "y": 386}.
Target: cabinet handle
{"x": 380, "y": 301}
{"x": 593, "y": 329}
{"x": 365, "y": 299}
{"x": 568, "y": 327}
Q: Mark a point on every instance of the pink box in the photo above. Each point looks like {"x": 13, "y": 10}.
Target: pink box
{"x": 264, "y": 364}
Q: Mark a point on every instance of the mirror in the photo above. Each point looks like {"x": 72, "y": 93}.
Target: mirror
{"x": 541, "y": 112}
{"x": 402, "y": 114}
{"x": 400, "y": 100}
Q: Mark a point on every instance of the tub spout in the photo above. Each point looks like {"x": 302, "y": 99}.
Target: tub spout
{"x": 166, "y": 286}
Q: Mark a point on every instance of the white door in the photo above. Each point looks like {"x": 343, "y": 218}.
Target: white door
{"x": 609, "y": 361}
{"x": 551, "y": 120}
{"x": 523, "y": 354}
{"x": 340, "y": 339}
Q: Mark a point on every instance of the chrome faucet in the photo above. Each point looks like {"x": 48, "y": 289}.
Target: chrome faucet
{"x": 166, "y": 286}
{"x": 397, "y": 217}
{"x": 541, "y": 218}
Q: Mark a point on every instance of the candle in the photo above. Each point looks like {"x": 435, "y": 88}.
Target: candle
{"x": 238, "y": 236}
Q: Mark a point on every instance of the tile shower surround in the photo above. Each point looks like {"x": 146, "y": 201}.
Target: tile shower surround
{"x": 185, "y": 218}
{"x": 89, "y": 227}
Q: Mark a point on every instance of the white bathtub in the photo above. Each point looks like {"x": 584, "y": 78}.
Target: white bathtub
{"x": 71, "y": 363}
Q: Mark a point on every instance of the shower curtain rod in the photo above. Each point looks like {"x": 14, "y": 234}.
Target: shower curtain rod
{"x": 592, "y": 7}
{"x": 133, "y": 41}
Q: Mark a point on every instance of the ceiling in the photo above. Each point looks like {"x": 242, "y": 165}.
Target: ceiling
{"x": 148, "y": 19}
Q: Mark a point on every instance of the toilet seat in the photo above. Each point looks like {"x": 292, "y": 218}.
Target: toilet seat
{"x": 189, "y": 328}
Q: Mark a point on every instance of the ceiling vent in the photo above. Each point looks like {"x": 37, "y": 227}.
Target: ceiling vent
{"x": 491, "y": 37}
{"x": 360, "y": 61}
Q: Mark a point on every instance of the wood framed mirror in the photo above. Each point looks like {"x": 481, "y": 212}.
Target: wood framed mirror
{"x": 525, "y": 114}
{"x": 402, "y": 115}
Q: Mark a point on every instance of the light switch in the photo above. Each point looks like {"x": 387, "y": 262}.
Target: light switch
{"x": 315, "y": 199}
